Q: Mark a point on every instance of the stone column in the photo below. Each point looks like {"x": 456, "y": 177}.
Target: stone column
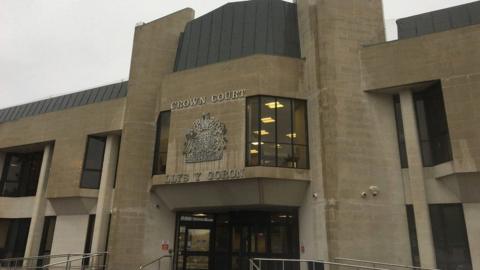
{"x": 39, "y": 205}
{"x": 105, "y": 194}
{"x": 417, "y": 182}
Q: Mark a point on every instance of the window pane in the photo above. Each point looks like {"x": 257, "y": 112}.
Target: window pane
{"x": 198, "y": 240}
{"x": 161, "y": 143}
{"x": 258, "y": 240}
{"x": 236, "y": 239}
{"x": 268, "y": 119}
{"x": 299, "y": 122}
{"x": 32, "y": 173}
{"x": 10, "y": 189}
{"x": 14, "y": 169}
{"x": 4, "y": 224}
{"x": 279, "y": 239}
{"x": 268, "y": 154}
{"x": 197, "y": 262}
{"x": 300, "y": 157}
{"x": 22, "y": 172}
{"x": 284, "y": 123}
{"x": 252, "y": 154}
{"x": 221, "y": 238}
{"x": 94, "y": 155}
{"x": 432, "y": 125}
{"x": 90, "y": 179}
{"x": 252, "y": 119}
{"x": 450, "y": 236}
{"x": 412, "y": 229}
{"x": 17, "y": 238}
{"x": 400, "y": 132}
{"x": 285, "y": 158}
{"x": 164, "y": 130}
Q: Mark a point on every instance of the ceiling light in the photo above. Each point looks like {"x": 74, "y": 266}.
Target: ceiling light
{"x": 256, "y": 143}
{"x": 199, "y": 215}
{"x": 272, "y": 105}
{"x": 253, "y": 151}
{"x": 268, "y": 120}
{"x": 290, "y": 135}
{"x": 262, "y": 132}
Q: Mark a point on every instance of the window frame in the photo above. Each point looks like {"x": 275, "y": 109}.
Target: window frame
{"x": 292, "y": 143}
{"x": 84, "y": 169}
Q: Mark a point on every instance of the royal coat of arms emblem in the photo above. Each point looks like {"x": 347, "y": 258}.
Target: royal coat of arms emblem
{"x": 205, "y": 141}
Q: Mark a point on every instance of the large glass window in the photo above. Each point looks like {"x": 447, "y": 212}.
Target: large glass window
{"x": 450, "y": 237}
{"x": 402, "y": 148}
{"x": 161, "y": 143}
{"x": 20, "y": 174}
{"x": 13, "y": 237}
{"x": 432, "y": 126}
{"x": 277, "y": 132}
{"x": 93, "y": 163}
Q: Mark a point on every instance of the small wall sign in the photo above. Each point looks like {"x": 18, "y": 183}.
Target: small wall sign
{"x": 205, "y": 176}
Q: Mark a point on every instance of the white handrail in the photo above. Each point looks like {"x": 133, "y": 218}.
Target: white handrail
{"x": 159, "y": 259}
{"x": 68, "y": 262}
{"x": 258, "y": 267}
{"x": 385, "y": 264}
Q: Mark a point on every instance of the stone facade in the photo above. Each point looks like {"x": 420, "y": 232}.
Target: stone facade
{"x": 347, "y": 74}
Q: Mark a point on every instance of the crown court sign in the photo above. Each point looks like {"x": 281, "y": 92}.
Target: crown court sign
{"x": 213, "y": 99}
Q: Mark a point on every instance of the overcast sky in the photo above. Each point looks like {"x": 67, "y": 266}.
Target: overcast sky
{"x": 53, "y": 47}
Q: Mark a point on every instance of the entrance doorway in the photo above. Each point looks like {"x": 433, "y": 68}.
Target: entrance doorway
{"x": 226, "y": 241}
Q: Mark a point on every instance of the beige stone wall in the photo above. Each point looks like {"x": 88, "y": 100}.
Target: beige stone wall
{"x": 446, "y": 56}
{"x": 449, "y": 57}
{"x": 133, "y": 230}
{"x": 257, "y": 75}
{"x": 354, "y": 142}
{"x": 68, "y": 129}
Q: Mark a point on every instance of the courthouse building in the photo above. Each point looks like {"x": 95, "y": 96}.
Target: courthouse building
{"x": 261, "y": 129}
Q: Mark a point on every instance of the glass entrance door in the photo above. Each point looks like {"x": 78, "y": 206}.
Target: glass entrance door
{"x": 248, "y": 241}
{"x": 226, "y": 241}
{"x": 193, "y": 251}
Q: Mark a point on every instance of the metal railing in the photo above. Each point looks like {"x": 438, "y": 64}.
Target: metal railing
{"x": 87, "y": 261}
{"x": 374, "y": 264}
{"x": 302, "y": 264}
{"x": 157, "y": 260}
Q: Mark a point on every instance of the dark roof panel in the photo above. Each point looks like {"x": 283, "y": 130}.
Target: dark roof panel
{"x": 239, "y": 29}
{"x": 439, "y": 20}
{"x": 94, "y": 95}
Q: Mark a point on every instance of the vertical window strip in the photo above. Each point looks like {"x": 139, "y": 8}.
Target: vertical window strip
{"x": 402, "y": 148}
{"x": 159, "y": 165}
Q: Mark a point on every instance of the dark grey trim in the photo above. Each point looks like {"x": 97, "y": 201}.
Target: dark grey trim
{"x": 239, "y": 29}
{"x": 439, "y": 20}
{"x": 95, "y": 95}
